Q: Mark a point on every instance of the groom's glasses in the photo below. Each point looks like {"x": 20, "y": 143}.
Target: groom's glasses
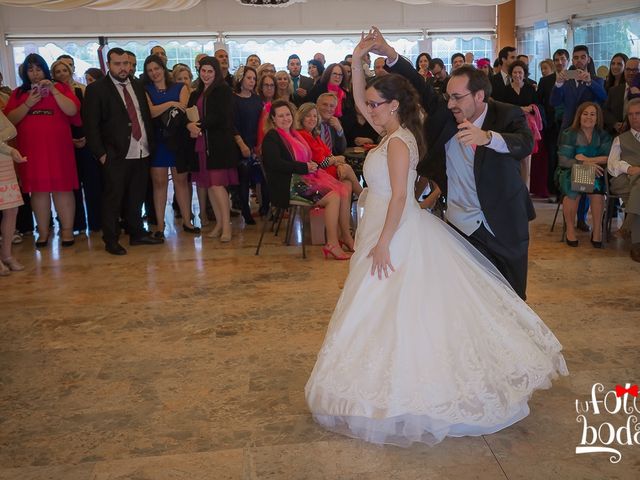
{"x": 374, "y": 105}
{"x": 455, "y": 97}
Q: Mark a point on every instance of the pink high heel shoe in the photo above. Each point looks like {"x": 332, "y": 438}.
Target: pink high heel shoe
{"x": 328, "y": 250}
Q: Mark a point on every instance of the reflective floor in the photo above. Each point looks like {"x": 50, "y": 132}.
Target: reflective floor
{"x": 188, "y": 361}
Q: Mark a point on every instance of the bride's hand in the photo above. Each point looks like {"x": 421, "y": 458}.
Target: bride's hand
{"x": 381, "y": 260}
{"x": 364, "y": 46}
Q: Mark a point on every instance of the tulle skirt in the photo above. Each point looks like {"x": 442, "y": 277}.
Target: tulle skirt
{"x": 443, "y": 347}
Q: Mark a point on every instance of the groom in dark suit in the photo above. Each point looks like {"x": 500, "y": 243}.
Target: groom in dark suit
{"x": 475, "y": 146}
{"x": 117, "y": 124}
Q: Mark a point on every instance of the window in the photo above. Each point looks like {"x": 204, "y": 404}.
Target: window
{"x": 443, "y": 48}
{"x": 84, "y": 53}
{"x": 557, "y": 36}
{"x": 608, "y": 36}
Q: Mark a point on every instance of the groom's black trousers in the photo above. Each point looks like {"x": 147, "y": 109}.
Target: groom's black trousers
{"x": 511, "y": 262}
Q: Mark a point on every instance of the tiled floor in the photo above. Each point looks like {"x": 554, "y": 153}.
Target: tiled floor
{"x": 189, "y": 360}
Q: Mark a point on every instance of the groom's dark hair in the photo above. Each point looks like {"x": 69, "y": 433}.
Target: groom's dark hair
{"x": 478, "y": 80}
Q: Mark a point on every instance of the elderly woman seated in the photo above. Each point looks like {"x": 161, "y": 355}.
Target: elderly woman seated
{"x": 290, "y": 170}
{"x": 584, "y": 142}
{"x": 308, "y": 126}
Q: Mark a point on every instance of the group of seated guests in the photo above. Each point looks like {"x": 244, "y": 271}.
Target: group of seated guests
{"x": 99, "y": 160}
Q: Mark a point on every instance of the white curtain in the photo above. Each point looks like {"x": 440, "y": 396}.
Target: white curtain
{"x": 470, "y": 3}
{"x": 61, "y": 5}
{"x": 177, "y": 5}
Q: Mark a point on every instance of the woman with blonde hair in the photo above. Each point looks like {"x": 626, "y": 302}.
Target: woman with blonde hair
{"x": 584, "y": 142}
{"x": 284, "y": 86}
{"x": 308, "y": 125}
{"x": 182, "y": 74}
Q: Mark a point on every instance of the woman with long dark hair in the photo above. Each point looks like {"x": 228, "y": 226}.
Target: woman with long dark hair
{"x": 428, "y": 339}
{"x": 247, "y": 108}
{"x": 43, "y": 112}
{"x": 422, "y": 65}
{"x": 335, "y": 80}
{"x": 167, "y": 102}
{"x": 616, "y": 71}
{"x": 215, "y": 145}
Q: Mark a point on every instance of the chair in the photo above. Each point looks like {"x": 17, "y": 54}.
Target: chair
{"x": 610, "y": 207}
{"x": 277, "y": 214}
{"x": 555, "y": 218}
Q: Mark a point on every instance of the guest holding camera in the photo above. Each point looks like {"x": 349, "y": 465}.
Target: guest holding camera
{"x": 43, "y": 113}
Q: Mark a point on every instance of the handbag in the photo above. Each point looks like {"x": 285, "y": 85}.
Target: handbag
{"x": 583, "y": 178}
{"x": 299, "y": 191}
{"x": 171, "y": 121}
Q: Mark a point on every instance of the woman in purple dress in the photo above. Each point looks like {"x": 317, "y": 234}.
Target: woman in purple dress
{"x": 215, "y": 144}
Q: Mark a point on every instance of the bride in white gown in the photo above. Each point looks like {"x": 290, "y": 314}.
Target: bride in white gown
{"x": 427, "y": 340}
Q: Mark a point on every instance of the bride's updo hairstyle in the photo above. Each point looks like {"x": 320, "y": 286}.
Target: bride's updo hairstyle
{"x": 410, "y": 113}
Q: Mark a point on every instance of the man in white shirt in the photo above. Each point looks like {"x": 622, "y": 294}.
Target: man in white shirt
{"x": 119, "y": 133}
{"x": 624, "y": 166}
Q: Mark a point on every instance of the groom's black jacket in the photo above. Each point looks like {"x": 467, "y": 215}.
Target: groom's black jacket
{"x": 503, "y": 196}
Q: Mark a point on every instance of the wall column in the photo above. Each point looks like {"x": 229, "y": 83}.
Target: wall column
{"x": 506, "y": 25}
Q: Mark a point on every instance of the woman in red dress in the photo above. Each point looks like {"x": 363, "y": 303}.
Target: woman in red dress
{"x": 42, "y": 113}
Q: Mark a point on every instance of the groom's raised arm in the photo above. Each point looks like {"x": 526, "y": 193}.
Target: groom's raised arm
{"x": 396, "y": 63}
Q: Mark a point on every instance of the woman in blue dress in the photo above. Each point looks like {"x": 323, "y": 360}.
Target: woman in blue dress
{"x": 164, "y": 94}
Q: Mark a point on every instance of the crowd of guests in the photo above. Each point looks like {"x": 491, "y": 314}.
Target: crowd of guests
{"x": 100, "y": 152}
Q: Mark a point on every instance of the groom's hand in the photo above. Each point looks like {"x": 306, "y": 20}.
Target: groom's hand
{"x": 380, "y": 45}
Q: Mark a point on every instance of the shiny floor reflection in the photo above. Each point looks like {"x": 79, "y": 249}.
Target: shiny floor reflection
{"x": 188, "y": 361}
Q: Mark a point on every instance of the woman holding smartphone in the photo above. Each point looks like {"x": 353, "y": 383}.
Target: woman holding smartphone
{"x": 42, "y": 113}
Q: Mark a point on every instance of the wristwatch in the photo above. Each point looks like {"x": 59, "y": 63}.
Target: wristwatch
{"x": 489, "y": 137}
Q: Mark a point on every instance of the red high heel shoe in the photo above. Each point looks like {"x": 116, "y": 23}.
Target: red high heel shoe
{"x": 328, "y": 250}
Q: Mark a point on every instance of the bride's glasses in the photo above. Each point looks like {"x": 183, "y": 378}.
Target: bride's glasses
{"x": 374, "y": 105}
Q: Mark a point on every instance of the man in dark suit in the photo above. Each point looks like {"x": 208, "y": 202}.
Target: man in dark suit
{"x": 501, "y": 80}
{"x": 615, "y": 107}
{"x": 331, "y": 130}
{"x": 551, "y": 129}
{"x": 301, "y": 84}
{"x": 440, "y": 77}
{"x": 570, "y": 93}
{"x": 119, "y": 132}
{"x": 475, "y": 148}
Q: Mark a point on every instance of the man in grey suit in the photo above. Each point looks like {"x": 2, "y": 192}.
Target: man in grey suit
{"x": 301, "y": 84}
{"x": 615, "y": 107}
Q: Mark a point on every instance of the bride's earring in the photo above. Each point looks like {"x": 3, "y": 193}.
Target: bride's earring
{"x": 393, "y": 112}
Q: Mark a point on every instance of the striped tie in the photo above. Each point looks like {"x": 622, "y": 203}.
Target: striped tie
{"x": 326, "y": 135}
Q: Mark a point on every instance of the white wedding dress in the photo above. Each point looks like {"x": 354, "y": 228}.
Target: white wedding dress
{"x": 443, "y": 347}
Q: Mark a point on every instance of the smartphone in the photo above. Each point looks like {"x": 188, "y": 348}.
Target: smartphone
{"x": 572, "y": 74}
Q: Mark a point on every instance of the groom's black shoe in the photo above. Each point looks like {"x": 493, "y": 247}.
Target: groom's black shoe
{"x": 146, "y": 239}
{"x": 114, "y": 248}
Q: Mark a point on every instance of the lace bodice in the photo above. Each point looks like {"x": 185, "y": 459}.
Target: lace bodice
{"x": 376, "y": 170}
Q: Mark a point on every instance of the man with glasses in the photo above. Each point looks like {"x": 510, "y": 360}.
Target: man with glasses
{"x": 615, "y": 108}
{"x": 475, "y": 148}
